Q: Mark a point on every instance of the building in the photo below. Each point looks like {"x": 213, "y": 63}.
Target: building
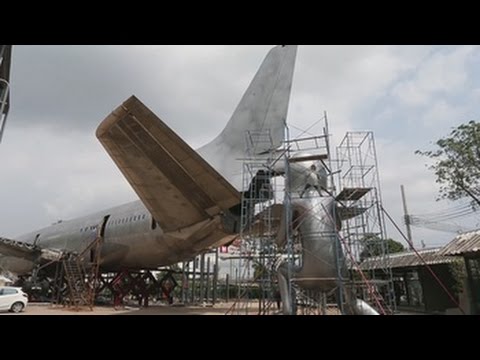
{"x": 467, "y": 245}
{"x": 415, "y": 287}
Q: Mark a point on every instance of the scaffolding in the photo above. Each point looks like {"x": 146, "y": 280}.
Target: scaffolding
{"x": 353, "y": 182}
{"x": 364, "y": 235}
{"x": 255, "y": 284}
{"x": 5, "y": 59}
{"x": 266, "y": 201}
{"x": 199, "y": 280}
{"x": 313, "y": 148}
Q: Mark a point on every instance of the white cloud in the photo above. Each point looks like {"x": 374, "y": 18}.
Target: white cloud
{"x": 443, "y": 73}
{"x": 50, "y": 176}
{"x": 441, "y": 114}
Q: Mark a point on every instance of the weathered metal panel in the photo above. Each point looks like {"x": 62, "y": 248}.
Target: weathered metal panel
{"x": 407, "y": 259}
{"x": 463, "y": 244}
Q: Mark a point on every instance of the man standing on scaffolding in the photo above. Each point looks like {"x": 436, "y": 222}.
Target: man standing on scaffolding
{"x": 313, "y": 179}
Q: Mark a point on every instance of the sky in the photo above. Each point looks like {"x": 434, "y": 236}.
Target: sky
{"x": 52, "y": 167}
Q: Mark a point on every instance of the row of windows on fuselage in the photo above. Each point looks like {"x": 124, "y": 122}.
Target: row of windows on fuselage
{"x": 116, "y": 222}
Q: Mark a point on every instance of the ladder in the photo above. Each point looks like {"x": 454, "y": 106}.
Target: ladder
{"x": 80, "y": 275}
{"x": 78, "y": 292}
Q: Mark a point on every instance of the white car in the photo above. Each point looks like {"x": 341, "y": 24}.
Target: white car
{"x": 12, "y": 299}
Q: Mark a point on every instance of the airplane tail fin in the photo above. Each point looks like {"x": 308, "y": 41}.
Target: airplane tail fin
{"x": 263, "y": 108}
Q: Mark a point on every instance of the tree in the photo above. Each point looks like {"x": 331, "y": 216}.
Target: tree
{"x": 457, "y": 163}
{"x": 374, "y": 246}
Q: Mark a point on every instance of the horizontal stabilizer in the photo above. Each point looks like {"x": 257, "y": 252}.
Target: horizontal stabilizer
{"x": 173, "y": 181}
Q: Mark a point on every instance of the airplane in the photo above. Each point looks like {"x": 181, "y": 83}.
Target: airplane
{"x": 189, "y": 201}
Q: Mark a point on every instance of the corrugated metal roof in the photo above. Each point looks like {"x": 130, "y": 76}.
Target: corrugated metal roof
{"x": 407, "y": 259}
{"x": 466, "y": 243}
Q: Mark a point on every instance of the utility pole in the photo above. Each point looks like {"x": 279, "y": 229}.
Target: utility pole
{"x": 407, "y": 218}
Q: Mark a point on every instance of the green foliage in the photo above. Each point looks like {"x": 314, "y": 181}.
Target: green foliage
{"x": 457, "y": 163}
{"x": 458, "y": 272}
{"x": 374, "y": 246}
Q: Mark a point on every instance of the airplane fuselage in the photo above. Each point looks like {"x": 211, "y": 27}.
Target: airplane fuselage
{"x": 132, "y": 239}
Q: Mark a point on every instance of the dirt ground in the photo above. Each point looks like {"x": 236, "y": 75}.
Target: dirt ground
{"x": 223, "y": 308}
{"x": 47, "y": 309}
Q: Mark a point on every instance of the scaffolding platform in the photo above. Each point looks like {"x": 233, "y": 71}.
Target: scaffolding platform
{"x": 320, "y": 157}
{"x": 352, "y": 194}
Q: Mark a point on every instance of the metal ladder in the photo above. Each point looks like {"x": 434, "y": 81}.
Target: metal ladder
{"x": 80, "y": 276}
{"x": 78, "y": 292}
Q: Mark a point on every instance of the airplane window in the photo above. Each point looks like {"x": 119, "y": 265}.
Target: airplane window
{"x": 143, "y": 216}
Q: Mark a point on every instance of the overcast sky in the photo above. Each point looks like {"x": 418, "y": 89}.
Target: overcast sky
{"x": 52, "y": 167}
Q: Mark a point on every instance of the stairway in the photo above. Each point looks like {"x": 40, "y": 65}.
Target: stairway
{"x": 78, "y": 290}
{"x": 80, "y": 273}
